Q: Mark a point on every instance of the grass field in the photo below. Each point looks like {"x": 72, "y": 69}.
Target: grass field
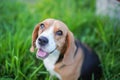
{"x": 18, "y": 18}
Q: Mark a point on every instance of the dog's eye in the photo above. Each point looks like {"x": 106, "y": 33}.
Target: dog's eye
{"x": 42, "y": 26}
{"x": 59, "y": 33}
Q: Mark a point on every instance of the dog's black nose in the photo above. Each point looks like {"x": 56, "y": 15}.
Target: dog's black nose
{"x": 42, "y": 41}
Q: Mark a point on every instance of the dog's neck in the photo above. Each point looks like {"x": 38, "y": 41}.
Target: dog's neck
{"x": 50, "y": 61}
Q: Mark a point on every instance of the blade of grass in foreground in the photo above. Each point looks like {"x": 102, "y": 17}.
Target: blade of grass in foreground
{"x": 35, "y": 71}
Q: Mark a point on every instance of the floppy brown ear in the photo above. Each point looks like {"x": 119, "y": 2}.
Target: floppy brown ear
{"x": 34, "y": 37}
{"x": 69, "y": 53}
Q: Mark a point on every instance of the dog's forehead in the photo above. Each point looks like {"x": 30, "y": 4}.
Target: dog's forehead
{"x": 48, "y": 21}
{"x": 56, "y": 24}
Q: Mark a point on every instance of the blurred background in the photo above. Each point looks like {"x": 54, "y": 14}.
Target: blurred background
{"x": 18, "y": 18}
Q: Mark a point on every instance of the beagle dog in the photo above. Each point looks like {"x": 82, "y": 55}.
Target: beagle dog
{"x": 62, "y": 55}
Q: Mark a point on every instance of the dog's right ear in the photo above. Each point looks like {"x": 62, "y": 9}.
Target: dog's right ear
{"x": 34, "y": 37}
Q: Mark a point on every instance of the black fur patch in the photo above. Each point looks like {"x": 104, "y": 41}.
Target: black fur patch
{"x": 91, "y": 67}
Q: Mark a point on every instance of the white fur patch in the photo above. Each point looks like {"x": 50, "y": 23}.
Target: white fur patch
{"x": 50, "y": 61}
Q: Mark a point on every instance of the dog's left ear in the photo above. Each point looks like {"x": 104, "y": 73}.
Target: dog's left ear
{"x": 69, "y": 53}
{"x": 34, "y": 37}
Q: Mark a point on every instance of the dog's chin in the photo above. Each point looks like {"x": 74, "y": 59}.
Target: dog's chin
{"x": 41, "y": 54}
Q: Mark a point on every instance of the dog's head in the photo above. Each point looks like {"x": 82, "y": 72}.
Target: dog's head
{"x": 50, "y": 35}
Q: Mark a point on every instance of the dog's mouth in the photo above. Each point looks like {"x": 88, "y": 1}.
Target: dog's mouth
{"x": 41, "y": 54}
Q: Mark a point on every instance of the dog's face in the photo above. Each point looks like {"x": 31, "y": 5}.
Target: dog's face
{"x": 50, "y": 35}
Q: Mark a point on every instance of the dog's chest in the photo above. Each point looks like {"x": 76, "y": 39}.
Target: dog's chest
{"x": 50, "y": 61}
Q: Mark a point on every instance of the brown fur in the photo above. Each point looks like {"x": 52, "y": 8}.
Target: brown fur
{"x": 69, "y": 67}
{"x": 70, "y": 72}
